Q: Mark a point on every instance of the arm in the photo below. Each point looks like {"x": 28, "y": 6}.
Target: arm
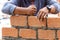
{"x": 54, "y": 9}
{"x": 12, "y": 7}
{"x": 9, "y": 7}
{"x": 29, "y": 10}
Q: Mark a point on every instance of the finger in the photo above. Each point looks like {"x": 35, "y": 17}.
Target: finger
{"x": 40, "y": 15}
{"x": 34, "y": 8}
{"x": 43, "y": 16}
{"x": 33, "y": 13}
{"x": 46, "y": 15}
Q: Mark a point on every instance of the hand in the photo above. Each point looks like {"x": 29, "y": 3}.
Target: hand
{"x": 31, "y": 10}
{"x": 42, "y": 13}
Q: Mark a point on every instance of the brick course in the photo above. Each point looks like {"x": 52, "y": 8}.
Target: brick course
{"x": 32, "y": 22}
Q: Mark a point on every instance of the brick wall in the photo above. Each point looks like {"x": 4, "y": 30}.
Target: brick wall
{"x": 30, "y": 28}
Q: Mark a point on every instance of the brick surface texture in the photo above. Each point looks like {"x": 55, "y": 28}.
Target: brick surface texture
{"x": 19, "y": 20}
{"x": 53, "y": 22}
{"x": 9, "y": 32}
{"x": 48, "y": 29}
{"x": 28, "y": 33}
{"x": 46, "y": 34}
{"x": 33, "y": 21}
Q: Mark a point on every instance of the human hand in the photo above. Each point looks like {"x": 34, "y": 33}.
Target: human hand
{"x": 31, "y": 10}
{"x": 42, "y": 13}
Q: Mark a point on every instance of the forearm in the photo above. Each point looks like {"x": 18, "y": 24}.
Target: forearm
{"x": 55, "y": 6}
{"x": 20, "y": 10}
{"x": 13, "y": 9}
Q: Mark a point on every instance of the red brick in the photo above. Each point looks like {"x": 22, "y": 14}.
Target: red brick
{"x": 18, "y": 20}
{"x": 9, "y": 32}
{"x": 46, "y": 34}
{"x": 54, "y": 22}
{"x": 58, "y": 33}
{"x": 27, "y": 33}
{"x": 34, "y": 22}
{"x": 59, "y": 39}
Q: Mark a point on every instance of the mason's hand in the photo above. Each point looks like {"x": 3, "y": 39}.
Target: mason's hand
{"x": 31, "y": 10}
{"x": 42, "y": 13}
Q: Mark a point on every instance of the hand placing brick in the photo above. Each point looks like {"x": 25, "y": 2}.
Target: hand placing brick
{"x": 46, "y": 34}
{"x": 9, "y": 32}
{"x": 19, "y": 21}
{"x": 53, "y": 21}
{"x": 33, "y": 21}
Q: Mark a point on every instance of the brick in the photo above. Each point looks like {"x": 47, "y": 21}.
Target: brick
{"x": 34, "y": 22}
{"x": 46, "y": 34}
{"x": 12, "y": 32}
{"x": 59, "y": 39}
{"x": 54, "y": 22}
{"x": 19, "y": 20}
{"x": 58, "y": 33}
{"x": 27, "y": 33}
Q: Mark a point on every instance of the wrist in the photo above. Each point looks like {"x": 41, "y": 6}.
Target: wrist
{"x": 51, "y": 9}
{"x": 24, "y": 10}
{"x": 48, "y": 8}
